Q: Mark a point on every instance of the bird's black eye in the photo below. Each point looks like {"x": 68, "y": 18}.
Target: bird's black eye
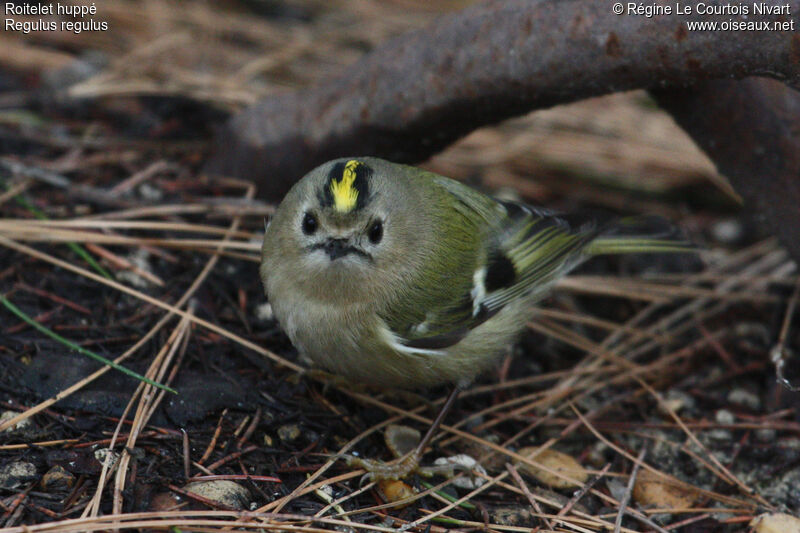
{"x": 309, "y": 223}
{"x": 375, "y": 232}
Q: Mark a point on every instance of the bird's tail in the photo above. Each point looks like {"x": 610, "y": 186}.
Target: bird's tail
{"x": 646, "y": 234}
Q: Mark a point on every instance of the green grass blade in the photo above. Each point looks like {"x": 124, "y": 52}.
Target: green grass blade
{"x": 77, "y": 248}
{"x": 53, "y": 335}
{"x": 463, "y": 505}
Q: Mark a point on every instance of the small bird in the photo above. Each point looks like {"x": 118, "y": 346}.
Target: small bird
{"x": 389, "y": 275}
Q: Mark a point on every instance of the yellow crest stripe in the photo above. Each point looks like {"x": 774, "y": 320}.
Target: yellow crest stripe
{"x": 344, "y": 193}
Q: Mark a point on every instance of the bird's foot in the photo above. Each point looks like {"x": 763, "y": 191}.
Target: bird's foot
{"x": 333, "y": 380}
{"x": 387, "y": 470}
{"x": 402, "y": 468}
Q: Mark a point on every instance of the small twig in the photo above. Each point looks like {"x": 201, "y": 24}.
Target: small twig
{"x": 122, "y": 263}
{"x": 40, "y": 444}
{"x": 8, "y": 243}
{"x": 779, "y": 353}
{"x": 583, "y": 490}
{"x": 250, "y": 429}
{"x": 54, "y": 297}
{"x": 624, "y": 453}
{"x": 524, "y": 486}
{"x": 17, "y": 501}
{"x": 76, "y": 248}
{"x": 51, "y": 178}
{"x": 698, "y": 518}
{"x": 141, "y": 176}
{"x": 15, "y": 190}
{"x": 148, "y": 400}
{"x": 187, "y": 455}
{"x": 724, "y": 473}
{"x": 237, "y": 477}
{"x": 629, "y": 489}
{"x": 231, "y": 457}
{"x": 213, "y": 443}
{"x": 40, "y": 319}
{"x": 83, "y": 351}
{"x": 205, "y": 501}
{"x": 239, "y": 429}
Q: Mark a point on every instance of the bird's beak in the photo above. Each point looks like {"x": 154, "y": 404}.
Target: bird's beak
{"x": 336, "y": 248}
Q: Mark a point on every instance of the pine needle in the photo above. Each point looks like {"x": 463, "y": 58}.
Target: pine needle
{"x": 53, "y": 335}
{"x": 76, "y": 248}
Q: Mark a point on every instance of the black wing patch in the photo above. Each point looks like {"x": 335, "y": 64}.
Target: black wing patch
{"x": 500, "y": 272}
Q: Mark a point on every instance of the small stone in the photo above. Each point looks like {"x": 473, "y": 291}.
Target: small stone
{"x": 140, "y": 258}
{"x": 670, "y": 405}
{"x": 104, "y": 454}
{"x": 725, "y": 417}
{"x": 791, "y": 443}
{"x": 616, "y": 488}
{"x": 745, "y": 398}
{"x": 557, "y": 461}
{"x": 264, "y": 312}
{"x": 597, "y": 454}
{"x": 14, "y": 475}
{"x": 57, "y": 479}
{"x": 150, "y": 193}
{"x": 783, "y": 490}
{"x": 312, "y": 436}
{"x": 326, "y": 492}
{"x": 675, "y": 401}
{"x": 289, "y": 432}
{"x": 765, "y": 435}
{"x": 462, "y": 462}
{"x": 722, "y": 517}
{"x": 727, "y": 231}
{"x": 223, "y": 491}
{"x": 493, "y": 462}
{"x": 20, "y": 428}
{"x": 775, "y": 523}
{"x": 720, "y": 435}
{"x": 651, "y": 489}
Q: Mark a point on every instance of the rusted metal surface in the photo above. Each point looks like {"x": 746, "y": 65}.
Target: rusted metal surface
{"x": 416, "y": 94}
{"x": 751, "y": 130}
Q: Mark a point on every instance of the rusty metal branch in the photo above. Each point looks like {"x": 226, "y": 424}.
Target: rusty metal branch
{"x": 751, "y": 130}
{"x": 417, "y": 93}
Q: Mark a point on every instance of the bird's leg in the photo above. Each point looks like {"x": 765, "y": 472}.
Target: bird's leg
{"x": 408, "y": 464}
{"x": 332, "y": 380}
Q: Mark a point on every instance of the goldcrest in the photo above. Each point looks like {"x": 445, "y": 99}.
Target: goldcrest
{"x": 393, "y": 276}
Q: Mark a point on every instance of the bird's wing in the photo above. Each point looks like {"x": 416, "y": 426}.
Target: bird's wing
{"x": 534, "y": 250}
{"x": 524, "y": 250}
